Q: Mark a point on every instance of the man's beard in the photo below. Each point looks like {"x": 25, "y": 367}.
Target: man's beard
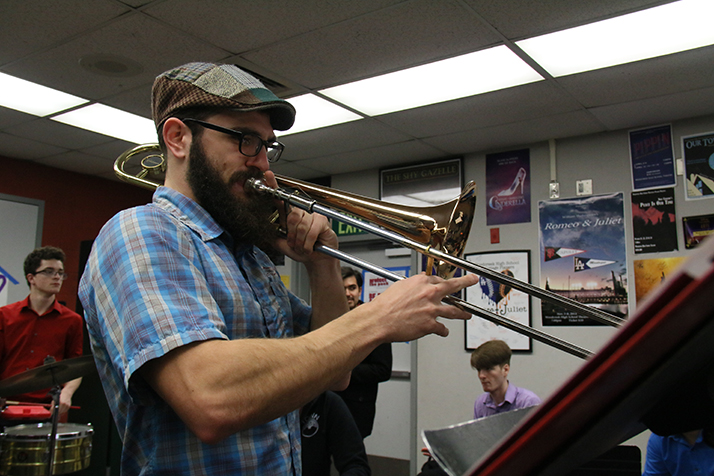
{"x": 246, "y": 220}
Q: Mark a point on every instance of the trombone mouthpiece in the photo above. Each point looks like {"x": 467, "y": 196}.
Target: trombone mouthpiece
{"x": 257, "y": 185}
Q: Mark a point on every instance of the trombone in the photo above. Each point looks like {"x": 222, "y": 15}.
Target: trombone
{"x": 439, "y": 232}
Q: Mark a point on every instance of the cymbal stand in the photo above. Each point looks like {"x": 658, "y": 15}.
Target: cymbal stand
{"x": 52, "y": 438}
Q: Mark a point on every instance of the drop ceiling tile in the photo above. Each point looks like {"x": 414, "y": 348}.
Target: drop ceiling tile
{"x": 152, "y": 45}
{"x": 242, "y": 25}
{"x": 652, "y": 111}
{"x": 136, "y": 100}
{"x": 529, "y": 101}
{"x": 58, "y": 134}
{"x": 526, "y": 18}
{"x": 20, "y": 148}
{"x": 11, "y": 117}
{"x": 355, "y": 135}
{"x": 660, "y": 76}
{"x": 29, "y": 26}
{"x": 407, "y": 34}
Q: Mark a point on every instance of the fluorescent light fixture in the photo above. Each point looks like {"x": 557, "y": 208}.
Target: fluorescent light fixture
{"x": 474, "y": 73}
{"x": 32, "y": 98}
{"x": 314, "y": 112}
{"x": 658, "y": 31}
{"x": 111, "y": 122}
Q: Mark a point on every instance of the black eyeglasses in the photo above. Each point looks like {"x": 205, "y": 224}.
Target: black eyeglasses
{"x": 51, "y": 273}
{"x": 248, "y": 144}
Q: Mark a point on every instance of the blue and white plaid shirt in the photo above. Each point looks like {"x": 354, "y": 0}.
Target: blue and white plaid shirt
{"x": 161, "y": 276}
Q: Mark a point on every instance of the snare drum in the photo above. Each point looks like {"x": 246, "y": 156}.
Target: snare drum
{"x": 25, "y": 451}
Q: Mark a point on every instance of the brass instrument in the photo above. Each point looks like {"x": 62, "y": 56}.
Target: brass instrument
{"x": 438, "y": 232}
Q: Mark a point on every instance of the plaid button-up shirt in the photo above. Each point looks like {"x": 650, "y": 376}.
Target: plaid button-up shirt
{"x": 164, "y": 275}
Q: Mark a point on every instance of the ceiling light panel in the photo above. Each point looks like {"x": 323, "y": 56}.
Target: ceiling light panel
{"x": 658, "y": 31}
{"x": 453, "y": 78}
{"x": 314, "y": 112}
{"x": 111, "y": 122}
{"x": 32, "y": 98}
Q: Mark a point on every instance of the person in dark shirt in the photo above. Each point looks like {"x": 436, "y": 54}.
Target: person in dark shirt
{"x": 361, "y": 394}
{"x": 329, "y": 433}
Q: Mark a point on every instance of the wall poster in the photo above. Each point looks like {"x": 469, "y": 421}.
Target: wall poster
{"x": 422, "y": 185}
{"x": 373, "y": 285}
{"x": 499, "y": 299}
{"x": 20, "y": 232}
{"x": 508, "y": 187}
{"x": 649, "y": 273}
{"x": 698, "y": 153}
{"x": 652, "y": 158}
{"x": 696, "y": 229}
{"x": 654, "y": 221}
{"x": 593, "y": 268}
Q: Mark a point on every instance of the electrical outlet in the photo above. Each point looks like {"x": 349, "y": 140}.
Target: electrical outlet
{"x": 554, "y": 189}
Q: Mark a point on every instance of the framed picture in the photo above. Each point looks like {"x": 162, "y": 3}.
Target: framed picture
{"x": 422, "y": 185}
{"x": 500, "y": 299}
{"x": 698, "y": 153}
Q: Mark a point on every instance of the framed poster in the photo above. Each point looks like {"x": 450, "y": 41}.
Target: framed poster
{"x": 422, "y": 185}
{"x": 652, "y": 158}
{"x": 698, "y": 153}
{"x": 500, "y": 299}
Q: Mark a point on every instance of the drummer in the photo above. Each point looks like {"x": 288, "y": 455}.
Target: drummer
{"x": 39, "y": 327}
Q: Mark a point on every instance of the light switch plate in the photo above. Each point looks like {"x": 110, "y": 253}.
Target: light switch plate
{"x": 584, "y": 187}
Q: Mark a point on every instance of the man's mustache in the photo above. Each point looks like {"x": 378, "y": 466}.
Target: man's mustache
{"x": 242, "y": 176}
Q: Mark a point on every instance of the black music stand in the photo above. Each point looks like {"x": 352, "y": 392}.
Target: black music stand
{"x": 627, "y": 386}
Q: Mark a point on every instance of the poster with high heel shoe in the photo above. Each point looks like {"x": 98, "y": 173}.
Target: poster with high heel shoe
{"x": 508, "y": 187}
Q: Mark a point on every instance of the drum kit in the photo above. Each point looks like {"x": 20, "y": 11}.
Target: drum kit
{"x": 40, "y": 444}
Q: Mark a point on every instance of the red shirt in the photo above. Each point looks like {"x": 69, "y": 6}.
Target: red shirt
{"x": 27, "y": 338}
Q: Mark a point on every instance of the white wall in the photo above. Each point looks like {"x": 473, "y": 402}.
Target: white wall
{"x": 445, "y": 385}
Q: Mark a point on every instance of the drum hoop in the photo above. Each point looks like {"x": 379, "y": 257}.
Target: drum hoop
{"x": 11, "y": 433}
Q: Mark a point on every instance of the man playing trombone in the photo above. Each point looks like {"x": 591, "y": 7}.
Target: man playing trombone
{"x": 204, "y": 355}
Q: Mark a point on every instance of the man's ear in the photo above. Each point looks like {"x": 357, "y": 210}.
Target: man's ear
{"x": 177, "y": 137}
{"x": 506, "y": 368}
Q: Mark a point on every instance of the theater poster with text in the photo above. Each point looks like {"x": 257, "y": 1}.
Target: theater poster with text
{"x": 698, "y": 152}
{"x": 583, "y": 256}
{"x": 508, "y": 188}
{"x": 652, "y": 158}
{"x": 374, "y": 285}
{"x": 654, "y": 221}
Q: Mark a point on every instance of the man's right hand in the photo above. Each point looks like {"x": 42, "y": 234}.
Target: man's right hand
{"x": 410, "y": 307}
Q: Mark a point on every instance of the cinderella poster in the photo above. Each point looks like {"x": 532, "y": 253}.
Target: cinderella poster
{"x": 508, "y": 188}
{"x": 593, "y": 270}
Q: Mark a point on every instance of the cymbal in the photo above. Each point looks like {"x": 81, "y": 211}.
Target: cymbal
{"x": 47, "y": 375}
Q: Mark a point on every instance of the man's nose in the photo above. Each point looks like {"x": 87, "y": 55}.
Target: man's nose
{"x": 260, "y": 161}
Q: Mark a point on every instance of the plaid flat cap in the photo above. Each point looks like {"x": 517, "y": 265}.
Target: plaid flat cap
{"x": 216, "y": 85}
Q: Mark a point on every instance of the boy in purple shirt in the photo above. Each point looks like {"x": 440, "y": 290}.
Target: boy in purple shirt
{"x": 492, "y": 360}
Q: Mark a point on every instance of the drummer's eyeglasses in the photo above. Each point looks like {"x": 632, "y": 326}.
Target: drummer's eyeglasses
{"x": 248, "y": 144}
{"x": 51, "y": 273}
